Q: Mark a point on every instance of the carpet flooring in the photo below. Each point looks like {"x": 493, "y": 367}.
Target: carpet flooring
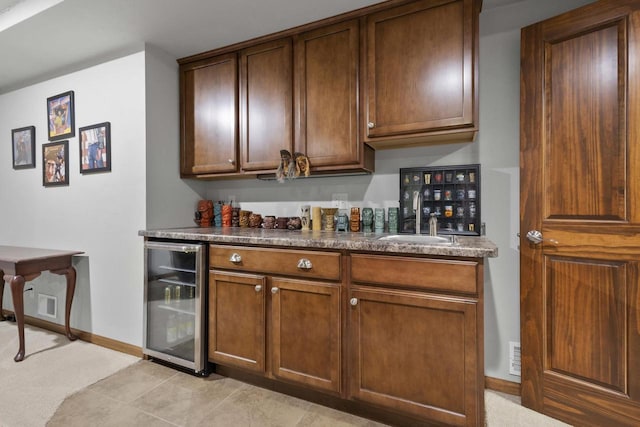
{"x": 53, "y": 368}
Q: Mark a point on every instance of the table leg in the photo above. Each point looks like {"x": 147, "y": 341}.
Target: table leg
{"x": 70, "y": 274}
{"x": 17, "y": 293}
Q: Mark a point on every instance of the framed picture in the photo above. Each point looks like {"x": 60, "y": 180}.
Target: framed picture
{"x": 60, "y": 114}
{"x": 95, "y": 148}
{"x": 24, "y": 147}
{"x": 55, "y": 163}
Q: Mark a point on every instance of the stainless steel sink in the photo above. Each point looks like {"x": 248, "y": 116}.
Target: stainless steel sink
{"x": 419, "y": 238}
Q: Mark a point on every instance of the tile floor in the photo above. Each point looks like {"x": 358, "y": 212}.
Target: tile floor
{"x": 148, "y": 394}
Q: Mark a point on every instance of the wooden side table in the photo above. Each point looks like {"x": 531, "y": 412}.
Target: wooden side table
{"x": 19, "y": 265}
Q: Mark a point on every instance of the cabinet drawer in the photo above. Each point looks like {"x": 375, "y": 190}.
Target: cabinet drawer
{"x": 436, "y": 274}
{"x": 321, "y": 265}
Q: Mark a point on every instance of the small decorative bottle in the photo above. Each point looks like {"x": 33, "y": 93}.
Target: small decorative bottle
{"x": 354, "y": 221}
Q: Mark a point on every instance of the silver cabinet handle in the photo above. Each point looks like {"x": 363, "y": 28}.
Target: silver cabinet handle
{"x": 235, "y": 258}
{"x": 535, "y": 237}
{"x": 231, "y": 161}
{"x": 258, "y": 288}
{"x": 353, "y": 301}
{"x": 274, "y": 290}
{"x": 305, "y": 264}
{"x": 371, "y": 125}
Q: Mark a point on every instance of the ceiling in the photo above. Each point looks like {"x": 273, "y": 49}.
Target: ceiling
{"x": 67, "y": 35}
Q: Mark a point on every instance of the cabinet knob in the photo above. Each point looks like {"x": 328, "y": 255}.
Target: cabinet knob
{"x": 305, "y": 264}
{"x": 231, "y": 161}
{"x": 258, "y": 288}
{"x": 353, "y": 301}
{"x": 274, "y": 290}
{"x": 371, "y": 125}
{"x": 235, "y": 258}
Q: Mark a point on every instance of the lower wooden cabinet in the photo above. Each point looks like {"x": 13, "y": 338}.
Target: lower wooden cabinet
{"x": 399, "y": 334}
{"x": 284, "y": 328}
{"x": 305, "y": 333}
{"x": 415, "y": 353}
{"x": 237, "y": 320}
{"x": 415, "y": 328}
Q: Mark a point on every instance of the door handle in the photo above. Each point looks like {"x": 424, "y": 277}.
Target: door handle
{"x": 535, "y": 237}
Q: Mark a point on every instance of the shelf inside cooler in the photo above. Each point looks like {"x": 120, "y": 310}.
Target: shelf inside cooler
{"x": 189, "y": 311}
{"x": 171, "y": 268}
{"x": 177, "y": 282}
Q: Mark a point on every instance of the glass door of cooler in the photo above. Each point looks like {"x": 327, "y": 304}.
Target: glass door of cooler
{"x": 174, "y": 303}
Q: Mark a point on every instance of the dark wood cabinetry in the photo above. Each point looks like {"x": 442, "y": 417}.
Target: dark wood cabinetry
{"x": 283, "y": 327}
{"x": 409, "y": 351}
{"x": 208, "y": 92}
{"x": 326, "y": 92}
{"x": 421, "y": 73}
{"x": 266, "y": 104}
{"x": 412, "y": 327}
{"x": 306, "y": 333}
{"x": 415, "y": 337}
{"x": 237, "y": 331}
{"x": 397, "y": 73}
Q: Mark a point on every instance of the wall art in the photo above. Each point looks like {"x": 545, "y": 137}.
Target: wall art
{"x": 95, "y": 148}
{"x": 60, "y": 116}
{"x": 23, "y": 141}
{"x": 55, "y": 163}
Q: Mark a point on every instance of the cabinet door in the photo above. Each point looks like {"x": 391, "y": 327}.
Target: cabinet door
{"x": 420, "y": 68}
{"x": 417, "y": 353}
{"x": 306, "y": 333}
{"x": 209, "y": 104}
{"x": 326, "y": 95}
{"x": 237, "y": 320}
{"x": 266, "y": 113}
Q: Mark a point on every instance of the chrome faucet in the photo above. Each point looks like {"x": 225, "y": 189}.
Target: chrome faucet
{"x": 433, "y": 225}
{"x": 417, "y": 206}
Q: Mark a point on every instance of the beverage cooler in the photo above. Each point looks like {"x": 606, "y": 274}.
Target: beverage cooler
{"x": 174, "y": 309}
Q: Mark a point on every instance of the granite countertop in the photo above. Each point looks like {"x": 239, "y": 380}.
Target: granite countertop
{"x": 465, "y": 246}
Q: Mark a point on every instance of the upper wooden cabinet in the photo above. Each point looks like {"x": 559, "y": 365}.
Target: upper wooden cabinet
{"x": 208, "y": 102}
{"x": 266, "y": 112}
{"x": 393, "y": 74}
{"x": 326, "y": 94}
{"x": 420, "y": 81}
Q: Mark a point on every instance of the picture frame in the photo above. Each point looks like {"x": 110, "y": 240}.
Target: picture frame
{"x": 55, "y": 164}
{"x": 23, "y": 143}
{"x": 61, "y": 116}
{"x": 95, "y": 148}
